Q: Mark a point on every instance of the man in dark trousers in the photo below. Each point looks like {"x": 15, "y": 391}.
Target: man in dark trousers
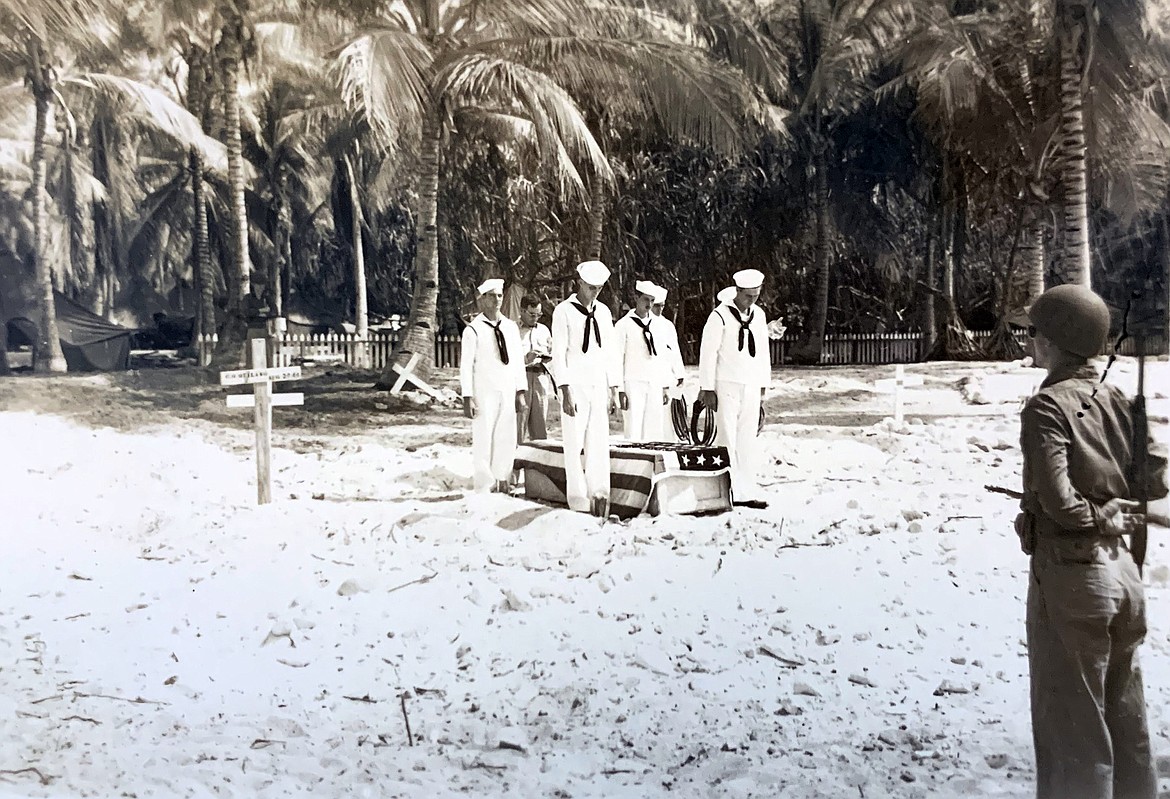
{"x": 1086, "y": 612}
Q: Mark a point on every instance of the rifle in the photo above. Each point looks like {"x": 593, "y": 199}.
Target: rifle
{"x": 1140, "y": 478}
{"x": 1006, "y": 491}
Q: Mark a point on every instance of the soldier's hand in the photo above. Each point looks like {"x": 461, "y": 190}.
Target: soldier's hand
{"x": 568, "y": 407}
{"x": 665, "y": 396}
{"x": 521, "y": 400}
{"x": 1119, "y": 516}
{"x": 710, "y": 400}
{"x": 1025, "y": 532}
{"x": 623, "y": 400}
{"x": 469, "y": 407}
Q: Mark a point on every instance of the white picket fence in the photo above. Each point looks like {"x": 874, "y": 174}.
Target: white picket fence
{"x": 372, "y": 352}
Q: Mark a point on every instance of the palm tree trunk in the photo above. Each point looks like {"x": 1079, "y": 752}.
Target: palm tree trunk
{"x": 282, "y": 265}
{"x": 419, "y": 335}
{"x": 230, "y": 350}
{"x": 597, "y": 206}
{"x": 929, "y": 320}
{"x": 198, "y": 103}
{"x": 80, "y": 220}
{"x": 1002, "y": 344}
{"x": 1166, "y": 272}
{"x": 1074, "y": 261}
{"x": 48, "y": 356}
{"x": 104, "y": 219}
{"x": 1032, "y": 259}
{"x": 204, "y": 279}
{"x": 955, "y": 342}
{"x": 809, "y": 351}
{"x": 360, "y": 308}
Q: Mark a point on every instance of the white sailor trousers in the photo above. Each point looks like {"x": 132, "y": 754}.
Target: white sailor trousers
{"x": 587, "y": 475}
{"x": 738, "y": 420}
{"x": 644, "y": 417}
{"x": 493, "y": 437}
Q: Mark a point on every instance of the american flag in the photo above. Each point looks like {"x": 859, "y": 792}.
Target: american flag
{"x": 633, "y": 469}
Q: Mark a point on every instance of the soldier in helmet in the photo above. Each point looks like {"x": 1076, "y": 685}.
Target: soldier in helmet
{"x": 1086, "y": 606}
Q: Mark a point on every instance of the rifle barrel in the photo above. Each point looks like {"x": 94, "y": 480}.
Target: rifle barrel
{"x": 1140, "y": 469}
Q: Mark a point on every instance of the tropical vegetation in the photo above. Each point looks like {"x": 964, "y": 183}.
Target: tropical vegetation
{"x": 891, "y": 165}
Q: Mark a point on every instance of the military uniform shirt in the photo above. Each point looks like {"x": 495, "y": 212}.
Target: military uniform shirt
{"x": 1077, "y": 459}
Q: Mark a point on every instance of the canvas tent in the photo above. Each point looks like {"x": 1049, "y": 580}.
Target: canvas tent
{"x": 89, "y": 342}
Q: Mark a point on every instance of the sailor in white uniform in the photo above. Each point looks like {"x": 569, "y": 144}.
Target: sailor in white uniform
{"x": 587, "y": 372}
{"x": 673, "y": 350}
{"x": 643, "y": 350}
{"x": 674, "y": 390}
{"x": 734, "y": 369}
{"x": 494, "y": 385}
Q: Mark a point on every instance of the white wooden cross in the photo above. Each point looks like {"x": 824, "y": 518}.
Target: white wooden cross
{"x": 407, "y": 373}
{"x": 896, "y": 384}
{"x": 262, "y": 400}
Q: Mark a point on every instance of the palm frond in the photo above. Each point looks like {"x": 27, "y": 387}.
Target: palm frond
{"x": 45, "y": 17}
{"x": 687, "y": 93}
{"x": 735, "y": 34}
{"x": 149, "y": 107}
{"x": 557, "y": 120}
{"x": 479, "y": 21}
{"x": 15, "y": 158}
{"x": 385, "y": 75}
{"x": 286, "y": 50}
{"x": 860, "y": 35}
{"x": 1132, "y": 157}
{"x": 493, "y": 125}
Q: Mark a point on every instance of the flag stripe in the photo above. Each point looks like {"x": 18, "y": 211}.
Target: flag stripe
{"x": 634, "y": 468}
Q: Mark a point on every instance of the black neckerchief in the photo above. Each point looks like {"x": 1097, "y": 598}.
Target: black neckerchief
{"x": 647, "y": 334}
{"x": 589, "y": 317}
{"x": 743, "y": 327}
{"x": 501, "y": 343}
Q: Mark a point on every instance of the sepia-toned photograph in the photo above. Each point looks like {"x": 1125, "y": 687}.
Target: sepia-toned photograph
{"x": 585, "y": 399}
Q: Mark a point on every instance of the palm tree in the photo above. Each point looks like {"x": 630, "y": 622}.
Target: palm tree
{"x": 834, "y": 48}
{"x": 1106, "y": 60}
{"x": 29, "y": 28}
{"x": 698, "y": 72}
{"x": 508, "y": 60}
{"x": 986, "y": 91}
{"x": 74, "y": 96}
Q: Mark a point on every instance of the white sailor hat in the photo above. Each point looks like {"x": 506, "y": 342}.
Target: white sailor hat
{"x": 645, "y": 287}
{"x": 727, "y": 294}
{"x": 659, "y": 294}
{"x": 494, "y": 284}
{"x": 595, "y": 273}
{"x": 748, "y": 278}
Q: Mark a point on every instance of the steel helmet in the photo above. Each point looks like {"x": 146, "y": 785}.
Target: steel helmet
{"x": 1072, "y": 317}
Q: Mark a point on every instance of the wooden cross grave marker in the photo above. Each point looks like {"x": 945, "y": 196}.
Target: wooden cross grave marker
{"x": 261, "y": 377}
{"x": 896, "y": 384}
{"x": 406, "y": 373}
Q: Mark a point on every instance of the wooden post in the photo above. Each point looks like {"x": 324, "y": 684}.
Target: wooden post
{"x": 263, "y": 422}
{"x": 899, "y": 382}
{"x": 262, "y": 399}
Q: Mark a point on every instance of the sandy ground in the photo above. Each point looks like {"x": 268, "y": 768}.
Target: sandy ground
{"x": 161, "y": 635}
